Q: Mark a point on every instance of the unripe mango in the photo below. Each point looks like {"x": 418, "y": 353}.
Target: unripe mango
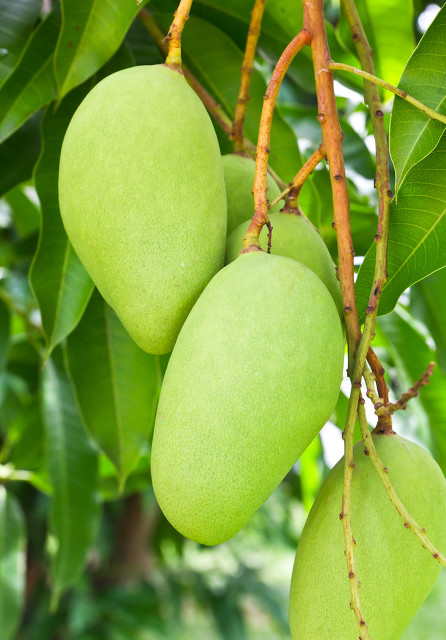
{"x": 239, "y": 176}
{"x": 142, "y": 197}
{"x": 395, "y": 572}
{"x": 295, "y": 237}
{"x": 253, "y": 377}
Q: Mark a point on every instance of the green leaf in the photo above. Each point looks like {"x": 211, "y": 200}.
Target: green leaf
{"x": 410, "y": 352}
{"x": 59, "y": 281}
{"x": 428, "y": 304}
{"x": 12, "y": 564}
{"x": 91, "y": 33}
{"x": 413, "y": 135}
{"x": 417, "y": 233}
{"x": 15, "y": 167}
{"x": 18, "y": 20}
{"x": 4, "y": 334}
{"x": 73, "y": 471}
{"x": 25, "y": 212}
{"x": 116, "y": 383}
{"x": 32, "y": 85}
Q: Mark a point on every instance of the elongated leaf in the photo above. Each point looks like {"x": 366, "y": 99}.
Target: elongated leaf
{"x": 73, "y": 471}
{"x": 417, "y": 233}
{"x": 18, "y": 20}
{"x": 428, "y": 303}
{"x": 116, "y": 385}
{"x": 409, "y": 350}
{"x": 4, "y": 334}
{"x": 15, "y": 167}
{"x": 32, "y": 85}
{"x": 412, "y": 134}
{"x": 25, "y": 212}
{"x": 91, "y": 33}
{"x": 12, "y": 564}
{"x": 58, "y": 279}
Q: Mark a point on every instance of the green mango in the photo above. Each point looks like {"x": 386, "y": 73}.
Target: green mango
{"x": 295, "y": 237}
{"x": 253, "y": 377}
{"x": 395, "y": 572}
{"x": 239, "y": 176}
{"x": 142, "y": 197}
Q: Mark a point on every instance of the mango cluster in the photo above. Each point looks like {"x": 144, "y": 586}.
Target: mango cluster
{"x": 257, "y": 345}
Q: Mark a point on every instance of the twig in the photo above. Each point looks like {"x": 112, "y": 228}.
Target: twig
{"x": 378, "y": 371}
{"x": 414, "y": 390}
{"x": 260, "y": 217}
{"x": 383, "y": 473}
{"x": 299, "y": 180}
{"x": 433, "y": 115}
{"x": 216, "y": 110}
{"x": 246, "y": 73}
{"x": 173, "y": 37}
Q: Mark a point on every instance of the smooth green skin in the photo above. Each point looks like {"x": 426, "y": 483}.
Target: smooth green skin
{"x": 395, "y": 572}
{"x": 142, "y": 197}
{"x": 295, "y": 237}
{"x": 239, "y": 176}
{"x": 254, "y": 375}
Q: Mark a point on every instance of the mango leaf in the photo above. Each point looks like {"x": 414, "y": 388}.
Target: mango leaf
{"x": 411, "y": 353}
{"x": 12, "y": 564}
{"x": 413, "y": 135}
{"x": 73, "y": 471}
{"x": 91, "y": 33}
{"x": 417, "y": 233}
{"x": 16, "y": 168}
{"x": 18, "y": 20}
{"x": 31, "y": 85}
{"x": 116, "y": 384}
{"x": 392, "y": 41}
{"x": 25, "y": 212}
{"x": 4, "y": 334}
{"x": 428, "y": 303}
{"x": 60, "y": 283}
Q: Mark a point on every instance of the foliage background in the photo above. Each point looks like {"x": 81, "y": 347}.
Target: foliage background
{"x": 79, "y": 559}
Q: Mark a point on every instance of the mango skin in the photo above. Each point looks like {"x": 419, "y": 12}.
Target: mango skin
{"x": 253, "y": 377}
{"x": 142, "y": 197}
{"x": 395, "y": 572}
{"x": 295, "y": 237}
{"x": 239, "y": 176}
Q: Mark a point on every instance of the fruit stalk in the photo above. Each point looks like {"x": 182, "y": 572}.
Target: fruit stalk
{"x": 370, "y": 77}
{"x": 332, "y": 140}
{"x": 383, "y": 472}
{"x": 174, "y": 35}
{"x": 298, "y": 181}
{"x": 260, "y": 216}
{"x": 246, "y": 73}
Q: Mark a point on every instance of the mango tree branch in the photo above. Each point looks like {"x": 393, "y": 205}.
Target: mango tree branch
{"x": 260, "y": 217}
{"x": 174, "y": 35}
{"x": 332, "y": 140}
{"x": 378, "y": 371}
{"x": 383, "y": 473}
{"x": 246, "y": 73}
{"x": 433, "y": 115}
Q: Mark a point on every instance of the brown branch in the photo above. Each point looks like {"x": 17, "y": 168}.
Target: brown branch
{"x": 246, "y": 73}
{"x": 378, "y": 371}
{"x": 413, "y": 392}
{"x": 173, "y": 37}
{"x": 260, "y": 217}
{"x": 299, "y": 180}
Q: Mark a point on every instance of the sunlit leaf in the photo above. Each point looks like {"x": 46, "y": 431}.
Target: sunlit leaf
{"x": 413, "y": 135}
{"x": 16, "y": 168}
{"x": 116, "y": 384}
{"x": 91, "y": 33}
{"x": 18, "y": 20}
{"x": 59, "y": 281}
{"x": 12, "y": 564}
{"x": 417, "y": 233}
{"x": 72, "y": 467}
{"x": 32, "y": 85}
